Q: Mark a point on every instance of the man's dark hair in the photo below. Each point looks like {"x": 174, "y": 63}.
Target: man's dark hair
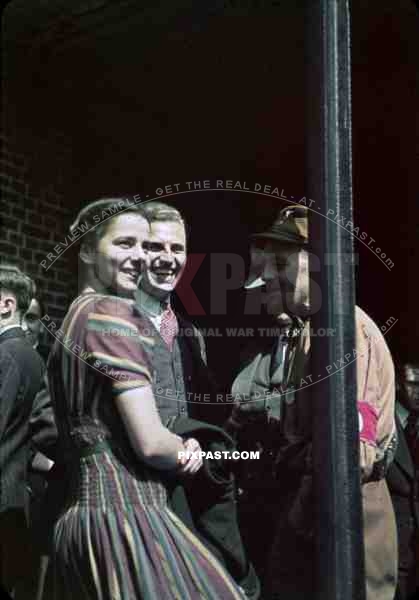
{"x": 94, "y": 219}
{"x": 13, "y": 280}
{"x": 40, "y": 302}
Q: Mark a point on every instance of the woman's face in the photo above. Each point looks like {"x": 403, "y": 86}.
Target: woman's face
{"x": 120, "y": 255}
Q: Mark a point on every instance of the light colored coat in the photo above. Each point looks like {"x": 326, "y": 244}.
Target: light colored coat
{"x": 376, "y": 398}
{"x": 375, "y": 374}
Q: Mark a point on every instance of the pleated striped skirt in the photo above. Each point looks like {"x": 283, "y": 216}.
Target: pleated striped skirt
{"x": 117, "y": 539}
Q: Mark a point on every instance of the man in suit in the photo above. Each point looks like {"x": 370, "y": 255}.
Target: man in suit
{"x": 21, "y": 372}
{"x": 39, "y": 465}
{"x": 183, "y": 386}
{"x": 272, "y": 397}
{"x": 403, "y": 481}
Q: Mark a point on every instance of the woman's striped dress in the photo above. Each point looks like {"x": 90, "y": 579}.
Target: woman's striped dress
{"x": 116, "y": 538}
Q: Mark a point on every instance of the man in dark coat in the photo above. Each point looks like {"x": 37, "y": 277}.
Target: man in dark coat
{"x": 21, "y": 372}
{"x": 403, "y": 481}
{"x": 184, "y": 388}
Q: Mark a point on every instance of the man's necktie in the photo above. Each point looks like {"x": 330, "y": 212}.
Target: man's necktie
{"x": 169, "y": 327}
{"x": 283, "y": 354}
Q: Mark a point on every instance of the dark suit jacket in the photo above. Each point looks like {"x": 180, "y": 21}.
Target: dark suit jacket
{"x": 42, "y": 426}
{"x": 403, "y": 486}
{"x": 209, "y": 507}
{"x": 21, "y": 371}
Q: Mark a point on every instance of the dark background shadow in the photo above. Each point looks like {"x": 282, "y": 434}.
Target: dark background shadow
{"x": 149, "y": 96}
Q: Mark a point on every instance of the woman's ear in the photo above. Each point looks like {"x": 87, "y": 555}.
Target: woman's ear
{"x": 87, "y": 254}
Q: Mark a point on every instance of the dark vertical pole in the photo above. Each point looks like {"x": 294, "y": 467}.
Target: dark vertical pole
{"x": 338, "y": 507}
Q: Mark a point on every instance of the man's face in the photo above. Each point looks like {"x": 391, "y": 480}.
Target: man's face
{"x": 120, "y": 254}
{"x": 166, "y": 257}
{"x": 285, "y": 270}
{"x": 32, "y": 323}
{"x": 411, "y": 387}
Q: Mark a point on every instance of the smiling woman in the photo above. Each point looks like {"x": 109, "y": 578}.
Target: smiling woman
{"x": 112, "y": 250}
{"x": 116, "y": 537}
{"x": 117, "y": 257}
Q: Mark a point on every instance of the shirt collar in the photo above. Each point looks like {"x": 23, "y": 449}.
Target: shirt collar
{"x": 402, "y": 413}
{"x": 148, "y": 304}
{"x": 7, "y": 327}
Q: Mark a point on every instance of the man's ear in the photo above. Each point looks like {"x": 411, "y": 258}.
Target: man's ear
{"x": 87, "y": 254}
{"x": 8, "y": 304}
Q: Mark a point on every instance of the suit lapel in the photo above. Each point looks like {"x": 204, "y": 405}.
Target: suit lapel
{"x": 403, "y": 457}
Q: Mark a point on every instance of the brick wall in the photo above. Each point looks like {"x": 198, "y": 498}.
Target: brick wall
{"x": 34, "y": 218}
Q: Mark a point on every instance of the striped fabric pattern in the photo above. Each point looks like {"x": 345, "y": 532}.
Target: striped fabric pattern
{"x": 116, "y": 538}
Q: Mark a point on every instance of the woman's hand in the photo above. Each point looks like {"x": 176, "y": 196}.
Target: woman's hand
{"x": 189, "y": 465}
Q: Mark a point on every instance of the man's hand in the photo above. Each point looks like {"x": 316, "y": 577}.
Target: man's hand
{"x": 189, "y": 465}
{"x": 250, "y": 411}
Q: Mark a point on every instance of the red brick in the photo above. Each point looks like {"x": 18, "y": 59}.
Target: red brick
{"x": 38, "y": 257}
{"x": 34, "y": 218}
{"x": 7, "y": 249}
{"x": 45, "y": 245}
{"x": 11, "y": 169}
{"x": 49, "y": 221}
{"x": 62, "y": 276}
{"x": 17, "y": 160}
{"x": 33, "y": 231}
{"x": 12, "y": 197}
{"x": 14, "y": 238}
{"x": 54, "y": 208}
{"x": 26, "y": 254}
{"x": 10, "y": 223}
{"x": 18, "y": 212}
{"x": 17, "y": 185}
{"x": 10, "y": 193}
{"x": 31, "y": 202}
{"x": 31, "y": 242}
{"x": 55, "y": 286}
{"x": 5, "y": 207}
{"x": 55, "y": 314}
{"x": 6, "y": 180}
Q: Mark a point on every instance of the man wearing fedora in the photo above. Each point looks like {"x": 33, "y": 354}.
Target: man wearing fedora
{"x": 269, "y": 400}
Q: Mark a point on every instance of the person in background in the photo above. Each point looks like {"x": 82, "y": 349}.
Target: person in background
{"x": 403, "y": 480}
{"x": 21, "y": 373}
{"x": 35, "y": 332}
{"x": 39, "y": 464}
